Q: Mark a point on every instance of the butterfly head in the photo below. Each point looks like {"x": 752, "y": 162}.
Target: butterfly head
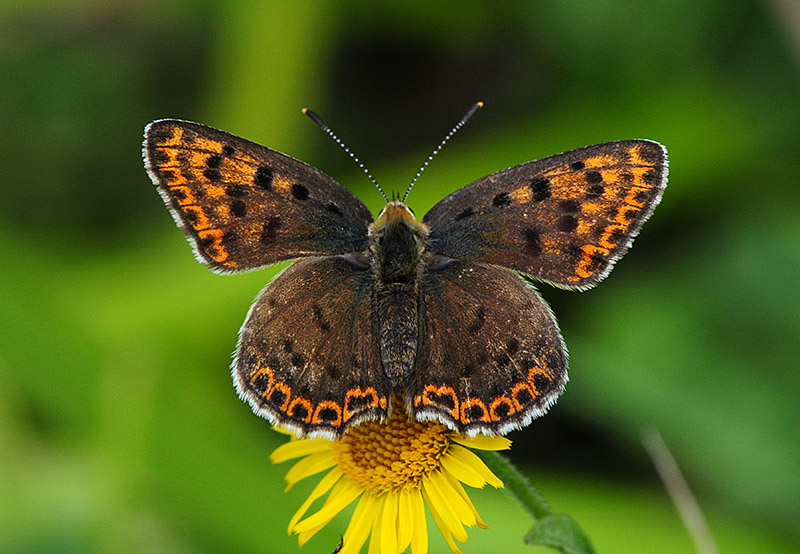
{"x": 394, "y": 211}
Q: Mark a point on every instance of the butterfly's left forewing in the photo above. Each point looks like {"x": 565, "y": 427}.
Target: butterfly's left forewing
{"x": 242, "y": 205}
{"x": 564, "y": 219}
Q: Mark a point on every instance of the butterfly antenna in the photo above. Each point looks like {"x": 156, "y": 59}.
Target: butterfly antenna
{"x": 470, "y": 113}
{"x": 318, "y": 120}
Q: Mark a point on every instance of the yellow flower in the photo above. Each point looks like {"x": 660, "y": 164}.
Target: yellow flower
{"x": 396, "y": 467}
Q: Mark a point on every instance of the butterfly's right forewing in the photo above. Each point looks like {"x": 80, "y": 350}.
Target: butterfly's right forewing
{"x": 242, "y": 205}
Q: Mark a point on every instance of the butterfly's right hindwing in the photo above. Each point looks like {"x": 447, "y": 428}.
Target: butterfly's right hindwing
{"x": 307, "y": 357}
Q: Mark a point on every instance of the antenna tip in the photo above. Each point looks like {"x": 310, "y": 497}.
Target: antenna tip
{"x": 315, "y": 118}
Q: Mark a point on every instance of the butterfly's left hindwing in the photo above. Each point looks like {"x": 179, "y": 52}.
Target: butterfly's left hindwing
{"x": 491, "y": 356}
{"x": 242, "y": 205}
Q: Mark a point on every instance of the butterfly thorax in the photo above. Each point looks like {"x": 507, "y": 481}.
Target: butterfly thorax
{"x": 397, "y": 245}
{"x": 397, "y": 252}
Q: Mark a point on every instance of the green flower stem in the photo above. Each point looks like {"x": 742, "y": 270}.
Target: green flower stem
{"x": 558, "y": 531}
{"x": 516, "y": 483}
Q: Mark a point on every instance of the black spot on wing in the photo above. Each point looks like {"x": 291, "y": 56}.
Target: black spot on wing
{"x": 212, "y": 174}
{"x": 532, "y": 239}
{"x": 569, "y": 206}
{"x": 264, "y": 177}
{"x": 568, "y": 223}
{"x": 540, "y": 189}
{"x": 235, "y": 191}
{"x": 300, "y": 192}
{"x": 595, "y": 191}
{"x": 469, "y": 212}
{"x": 502, "y": 200}
{"x": 238, "y": 208}
{"x": 270, "y": 230}
{"x": 594, "y": 177}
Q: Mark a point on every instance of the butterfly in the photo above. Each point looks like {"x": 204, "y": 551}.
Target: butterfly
{"x": 435, "y": 310}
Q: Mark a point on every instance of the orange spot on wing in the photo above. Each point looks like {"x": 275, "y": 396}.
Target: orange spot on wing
{"x": 599, "y": 161}
{"x": 183, "y": 195}
{"x": 533, "y": 372}
{"x": 306, "y": 404}
{"x": 605, "y": 238}
{"x": 622, "y": 214}
{"x": 519, "y": 390}
{"x": 328, "y": 405}
{"x": 583, "y": 269}
{"x": 357, "y": 393}
{"x": 286, "y": 390}
{"x": 522, "y": 194}
{"x": 631, "y": 198}
{"x": 201, "y": 143}
{"x": 501, "y": 401}
{"x": 281, "y": 183}
{"x": 267, "y": 372}
{"x": 214, "y": 191}
{"x": 470, "y": 403}
{"x": 211, "y": 244}
{"x": 197, "y": 217}
{"x": 638, "y": 176}
{"x": 432, "y": 391}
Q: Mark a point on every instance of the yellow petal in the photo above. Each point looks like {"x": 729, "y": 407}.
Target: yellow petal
{"x": 360, "y": 525}
{"x": 459, "y": 508}
{"x": 309, "y": 466}
{"x": 439, "y": 503}
{"x": 298, "y": 449}
{"x": 389, "y": 522}
{"x": 322, "y": 487}
{"x": 462, "y": 471}
{"x": 303, "y": 537}
{"x": 405, "y": 521}
{"x": 460, "y": 490}
{"x": 419, "y": 536}
{"x": 375, "y": 540}
{"x": 483, "y": 442}
{"x": 443, "y": 529}
{"x": 343, "y": 493}
{"x": 473, "y": 461}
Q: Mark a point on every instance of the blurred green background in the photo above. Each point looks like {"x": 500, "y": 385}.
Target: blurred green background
{"x": 119, "y": 428}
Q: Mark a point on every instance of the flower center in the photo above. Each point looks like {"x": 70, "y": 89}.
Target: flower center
{"x": 392, "y": 454}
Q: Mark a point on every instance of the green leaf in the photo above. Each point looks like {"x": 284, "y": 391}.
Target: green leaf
{"x": 559, "y": 531}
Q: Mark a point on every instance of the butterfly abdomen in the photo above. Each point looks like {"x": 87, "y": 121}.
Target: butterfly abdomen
{"x": 397, "y": 334}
